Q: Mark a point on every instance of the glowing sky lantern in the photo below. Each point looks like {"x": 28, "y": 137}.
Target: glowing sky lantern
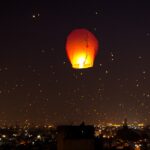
{"x": 81, "y": 47}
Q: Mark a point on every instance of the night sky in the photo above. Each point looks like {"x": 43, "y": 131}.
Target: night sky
{"x": 37, "y": 82}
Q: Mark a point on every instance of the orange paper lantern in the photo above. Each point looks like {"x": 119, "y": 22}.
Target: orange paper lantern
{"x": 81, "y": 47}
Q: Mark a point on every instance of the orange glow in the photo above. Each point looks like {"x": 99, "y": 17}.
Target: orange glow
{"x": 81, "y": 47}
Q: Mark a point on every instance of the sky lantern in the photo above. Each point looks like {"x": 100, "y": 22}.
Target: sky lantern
{"x": 81, "y": 48}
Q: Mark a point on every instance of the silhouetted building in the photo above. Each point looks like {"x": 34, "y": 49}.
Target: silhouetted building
{"x": 75, "y": 138}
{"x": 127, "y": 134}
{"x": 125, "y": 124}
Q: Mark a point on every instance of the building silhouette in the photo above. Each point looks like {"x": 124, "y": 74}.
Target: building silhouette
{"x": 127, "y": 134}
{"x": 75, "y": 137}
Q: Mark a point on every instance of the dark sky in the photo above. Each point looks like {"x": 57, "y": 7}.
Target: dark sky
{"x": 37, "y": 81}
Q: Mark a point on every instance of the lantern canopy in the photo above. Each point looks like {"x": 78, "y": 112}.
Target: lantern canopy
{"x": 81, "y": 48}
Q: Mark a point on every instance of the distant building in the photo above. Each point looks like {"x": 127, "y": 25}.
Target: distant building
{"x": 75, "y": 138}
{"x": 127, "y": 134}
{"x": 125, "y": 124}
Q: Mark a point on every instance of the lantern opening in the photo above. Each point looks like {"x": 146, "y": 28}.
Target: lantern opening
{"x": 82, "y": 61}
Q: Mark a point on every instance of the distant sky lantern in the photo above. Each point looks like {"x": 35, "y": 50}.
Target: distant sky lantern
{"x": 81, "y": 47}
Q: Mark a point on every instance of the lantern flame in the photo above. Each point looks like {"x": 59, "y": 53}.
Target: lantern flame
{"x": 81, "y": 48}
{"x": 82, "y": 60}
